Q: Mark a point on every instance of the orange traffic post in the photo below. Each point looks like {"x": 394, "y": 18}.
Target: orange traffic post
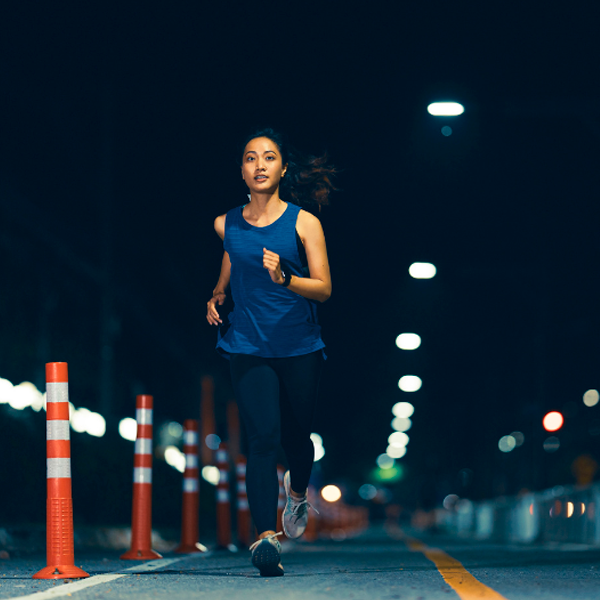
{"x": 281, "y": 500}
{"x": 243, "y": 510}
{"x": 190, "y": 531}
{"x": 223, "y": 499}
{"x": 60, "y": 556}
{"x": 141, "y": 514}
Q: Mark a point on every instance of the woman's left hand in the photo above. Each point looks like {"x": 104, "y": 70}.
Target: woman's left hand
{"x": 272, "y": 263}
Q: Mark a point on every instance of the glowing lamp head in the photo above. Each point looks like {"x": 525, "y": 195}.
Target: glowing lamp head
{"x": 553, "y": 421}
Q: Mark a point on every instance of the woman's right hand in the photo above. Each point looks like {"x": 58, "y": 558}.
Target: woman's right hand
{"x": 212, "y": 315}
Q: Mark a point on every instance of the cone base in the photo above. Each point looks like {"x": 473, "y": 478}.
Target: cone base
{"x": 189, "y": 548}
{"x": 148, "y": 554}
{"x": 61, "y": 572}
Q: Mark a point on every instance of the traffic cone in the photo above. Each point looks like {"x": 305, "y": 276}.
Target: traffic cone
{"x": 141, "y": 514}
{"x": 191, "y": 494}
{"x": 243, "y": 511}
{"x": 60, "y": 557}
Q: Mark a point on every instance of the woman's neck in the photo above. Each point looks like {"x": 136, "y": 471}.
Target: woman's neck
{"x": 264, "y": 209}
{"x": 264, "y": 205}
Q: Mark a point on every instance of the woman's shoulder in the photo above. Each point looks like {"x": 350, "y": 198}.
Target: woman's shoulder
{"x": 222, "y": 219}
{"x": 307, "y": 219}
{"x": 220, "y": 225}
{"x": 308, "y": 224}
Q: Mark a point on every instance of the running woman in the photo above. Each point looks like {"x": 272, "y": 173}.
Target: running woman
{"x": 275, "y": 261}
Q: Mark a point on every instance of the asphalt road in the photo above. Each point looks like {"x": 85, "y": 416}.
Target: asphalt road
{"x": 376, "y": 565}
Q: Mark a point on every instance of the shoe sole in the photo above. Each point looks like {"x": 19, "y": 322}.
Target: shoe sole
{"x": 266, "y": 559}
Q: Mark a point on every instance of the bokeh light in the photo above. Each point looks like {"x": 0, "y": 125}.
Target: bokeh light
{"x": 128, "y": 429}
{"x": 401, "y": 423}
{"x": 519, "y": 438}
{"x": 211, "y": 474}
{"x": 507, "y": 443}
{"x": 398, "y": 439}
{"x": 317, "y": 441}
{"x": 450, "y": 501}
{"x": 331, "y": 493}
{"x": 420, "y": 270}
{"x": 175, "y": 430}
{"x": 403, "y": 409}
{"x": 367, "y": 491}
{"x": 551, "y": 444}
{"x": 553, "y": 421}
{"x": 591, "y": 398}
{"x": 408, "y": 341}
{"x": 396, "y": 451}
{"x": 384, "y": 461}
{"x": 175, "y": 458}
{"x": 445, "y": 109}
{"x": 19, "y": 397}
{"x": 213, "y": 441}
{"x": 410, "y": 383}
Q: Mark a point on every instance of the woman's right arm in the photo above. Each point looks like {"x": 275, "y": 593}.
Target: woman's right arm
{"x": 212, "y": 315}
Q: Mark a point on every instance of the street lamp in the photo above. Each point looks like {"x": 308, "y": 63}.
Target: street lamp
{"x": 445, "y": 109}
{"x": 410, "y": 383}
{"x": 421, "y": 270}
{"x": 408, "y": 341}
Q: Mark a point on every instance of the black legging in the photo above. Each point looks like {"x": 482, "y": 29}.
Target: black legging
{"x": 277, "y": 398}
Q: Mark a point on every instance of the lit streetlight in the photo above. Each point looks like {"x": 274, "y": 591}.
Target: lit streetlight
{"x": 422, "y": 270}
{"x": 445, "y": 109}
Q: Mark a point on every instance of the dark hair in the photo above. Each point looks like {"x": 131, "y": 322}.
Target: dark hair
{"x": 307, "y": 179}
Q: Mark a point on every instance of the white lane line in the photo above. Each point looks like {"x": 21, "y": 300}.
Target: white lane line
{"x": 81, "y": 584}
{"x": 152, "y": 566}
{"x": 68, "y": 589}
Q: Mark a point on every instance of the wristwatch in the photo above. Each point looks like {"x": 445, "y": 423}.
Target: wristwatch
{"x": 287, "y": 277}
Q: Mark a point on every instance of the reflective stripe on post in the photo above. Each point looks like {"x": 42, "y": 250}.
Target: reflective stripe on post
{"x": 191, "y": 492}
{"x": 60, "y": 557}
{"x": 223, "y": 499}
{"x": 243, "y": 511}
{"x": 141, "y": 514}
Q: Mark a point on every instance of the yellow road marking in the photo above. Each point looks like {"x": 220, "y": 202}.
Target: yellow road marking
{"x": 454, "y": 574}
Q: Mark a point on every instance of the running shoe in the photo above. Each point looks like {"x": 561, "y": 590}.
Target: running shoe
{"x": 295, "y": 514}
{"x": 265, "y": 556}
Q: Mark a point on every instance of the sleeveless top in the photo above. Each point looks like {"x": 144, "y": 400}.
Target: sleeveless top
{"x": 268, "y": 320}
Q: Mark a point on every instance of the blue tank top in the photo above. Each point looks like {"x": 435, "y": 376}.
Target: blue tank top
{"x": 268, "y": 319}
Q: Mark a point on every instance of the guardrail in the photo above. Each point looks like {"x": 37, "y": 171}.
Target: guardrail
{"x": 562, "y": 514}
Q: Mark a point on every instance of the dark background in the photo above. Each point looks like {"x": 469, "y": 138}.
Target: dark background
{"x": 119, "y": 146}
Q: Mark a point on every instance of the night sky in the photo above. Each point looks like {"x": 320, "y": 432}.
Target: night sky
{"x": 120, "y": 145}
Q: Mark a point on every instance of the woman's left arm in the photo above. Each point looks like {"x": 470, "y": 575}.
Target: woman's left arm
{"x": 318, "y": 285}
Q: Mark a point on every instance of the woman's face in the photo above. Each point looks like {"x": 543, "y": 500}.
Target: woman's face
{"x": 261, "y": 165}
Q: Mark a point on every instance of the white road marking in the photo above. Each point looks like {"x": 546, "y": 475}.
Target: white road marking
{"x": 81, "y": 584}
{"x": 155, "y": 564}
{"x": 67, "y": 589}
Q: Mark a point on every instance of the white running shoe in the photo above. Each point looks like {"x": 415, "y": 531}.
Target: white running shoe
{"x": 265, "y": 556}
{"x": 295, "y": 514}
